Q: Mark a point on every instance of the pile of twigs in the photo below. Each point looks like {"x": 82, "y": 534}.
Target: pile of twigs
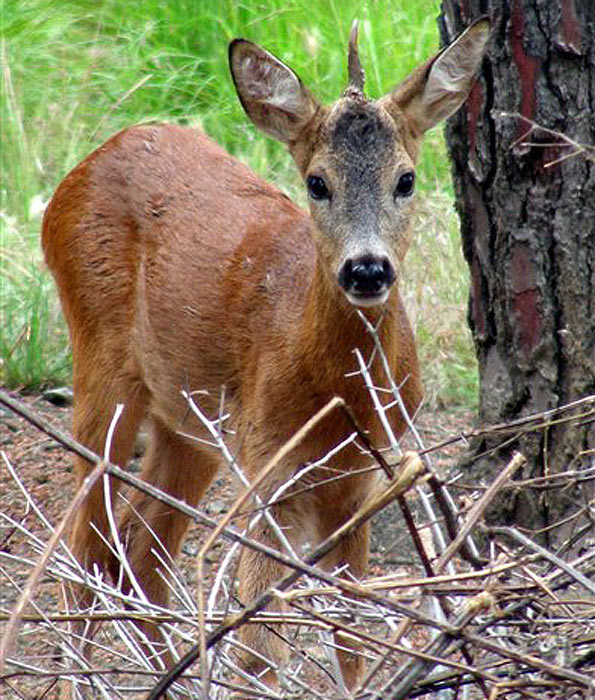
{"x": 507, "y": 619}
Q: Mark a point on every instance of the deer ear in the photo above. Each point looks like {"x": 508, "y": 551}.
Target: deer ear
{"x": 271, "y": 94}
{"x": 438, "y": 88}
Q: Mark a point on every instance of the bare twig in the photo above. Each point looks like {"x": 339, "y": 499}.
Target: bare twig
{"x": 10, "y": 632}
{"x": 529, "y": 630}
{"x": 480, "y": 507}
{"x": 561, "y": 139}
{"x": 412, "y": 468}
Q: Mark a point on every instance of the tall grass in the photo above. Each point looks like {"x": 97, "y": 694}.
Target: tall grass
{"x": 74, "y": 72}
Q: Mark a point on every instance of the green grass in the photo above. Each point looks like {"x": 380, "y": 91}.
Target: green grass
{"x": 74, "y": 72}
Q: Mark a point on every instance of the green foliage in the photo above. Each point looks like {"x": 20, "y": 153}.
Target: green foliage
{"x": 76, "y": 71}
{"x": 436, "y": 295}
{"x": 34, "y": 341}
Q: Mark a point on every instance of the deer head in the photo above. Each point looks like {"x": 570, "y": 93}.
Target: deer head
{"x": 357, "y": 156}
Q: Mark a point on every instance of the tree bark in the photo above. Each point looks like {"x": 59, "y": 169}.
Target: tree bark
{"x": 526, "y": 200}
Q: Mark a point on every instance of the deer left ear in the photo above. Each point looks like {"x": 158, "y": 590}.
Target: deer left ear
{"x": 438, "y": 88}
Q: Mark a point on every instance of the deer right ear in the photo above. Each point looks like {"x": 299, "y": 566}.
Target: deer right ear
{"x": 271, "y": 94}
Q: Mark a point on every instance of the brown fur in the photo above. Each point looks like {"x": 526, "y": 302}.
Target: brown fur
{"x": 178, "y": 267}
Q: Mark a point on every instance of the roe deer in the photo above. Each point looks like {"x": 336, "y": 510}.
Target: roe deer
{"x": 178, "y": 267}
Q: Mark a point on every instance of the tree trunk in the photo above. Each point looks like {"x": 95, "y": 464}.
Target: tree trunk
{"x": 526, "y": 199}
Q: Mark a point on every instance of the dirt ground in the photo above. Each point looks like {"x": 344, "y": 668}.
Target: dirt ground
{"x": 44, "y": 469}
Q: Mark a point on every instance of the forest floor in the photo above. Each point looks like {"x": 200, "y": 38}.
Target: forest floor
{"x": 44, "y": 469}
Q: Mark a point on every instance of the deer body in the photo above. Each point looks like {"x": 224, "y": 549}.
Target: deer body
{"x": 220, "y": 287}
{"x": 177, "y": 267}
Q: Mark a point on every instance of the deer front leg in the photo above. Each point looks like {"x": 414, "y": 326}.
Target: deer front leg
{"x": 258, "y": 572}
{"x": 353, "y": 551}
{"x": 265, "y": 648}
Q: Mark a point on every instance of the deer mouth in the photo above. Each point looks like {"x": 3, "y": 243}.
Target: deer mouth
{"x": 367, "y": 299}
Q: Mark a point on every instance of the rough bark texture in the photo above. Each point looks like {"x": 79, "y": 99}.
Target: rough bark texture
{"x": 528, "y": 226}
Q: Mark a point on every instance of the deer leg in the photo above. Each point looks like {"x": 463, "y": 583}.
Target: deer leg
{"x": 150, "y": 528}
{"x": 93, "y": 411}
{"x": 256, "y": 573}
{"x": 353, "y": 550}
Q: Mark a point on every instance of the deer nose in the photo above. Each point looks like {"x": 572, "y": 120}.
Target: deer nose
{"x": 366, "y": 278}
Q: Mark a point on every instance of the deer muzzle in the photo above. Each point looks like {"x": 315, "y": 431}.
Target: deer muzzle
{"x": 366, "y": 280}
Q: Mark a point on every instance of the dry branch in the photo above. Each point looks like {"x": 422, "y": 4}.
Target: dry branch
{"x": 480, "y": 629}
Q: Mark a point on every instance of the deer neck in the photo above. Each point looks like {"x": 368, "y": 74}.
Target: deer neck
{"x": 332, "y": 329}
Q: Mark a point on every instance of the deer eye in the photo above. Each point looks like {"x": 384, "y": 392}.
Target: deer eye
{"x": 405, "y": 185}
{"x": 317, "y": 188}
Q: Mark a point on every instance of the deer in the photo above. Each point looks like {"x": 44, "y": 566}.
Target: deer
{"x": 177, "y": 266}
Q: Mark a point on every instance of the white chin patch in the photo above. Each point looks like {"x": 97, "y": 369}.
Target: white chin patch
{"x": 367, "y": 302}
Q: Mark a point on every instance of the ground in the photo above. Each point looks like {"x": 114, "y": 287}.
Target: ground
{"x": 44, "y": 469}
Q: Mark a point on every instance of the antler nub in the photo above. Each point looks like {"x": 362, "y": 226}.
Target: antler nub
{"x": 356, "y": 72}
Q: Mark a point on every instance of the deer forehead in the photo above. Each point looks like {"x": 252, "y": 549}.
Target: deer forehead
{"x": 363, "y": 145}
